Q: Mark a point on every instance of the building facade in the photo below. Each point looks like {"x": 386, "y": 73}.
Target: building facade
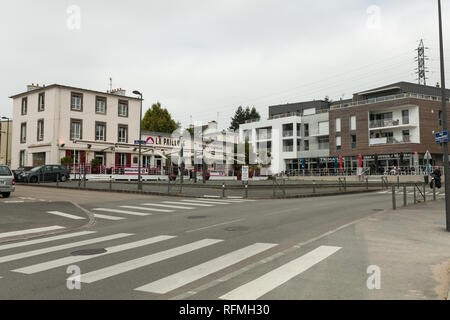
{"x": 5, "y": 142}
{"x": 56, "y": 121}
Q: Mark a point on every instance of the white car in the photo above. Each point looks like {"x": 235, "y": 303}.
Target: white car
{"x": 7, "y": 182}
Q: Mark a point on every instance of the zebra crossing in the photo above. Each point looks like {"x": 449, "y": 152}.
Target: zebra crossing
{"x": 122, "y": 212}
{"x": 54, "y": 255}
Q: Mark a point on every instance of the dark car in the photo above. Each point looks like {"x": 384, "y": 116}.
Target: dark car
{"x": 46, "y": 173}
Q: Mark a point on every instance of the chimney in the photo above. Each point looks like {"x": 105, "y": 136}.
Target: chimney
{"x": 33, "y": 87}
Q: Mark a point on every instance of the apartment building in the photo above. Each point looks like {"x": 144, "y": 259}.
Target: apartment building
{"x": 55, "y": 121}
{"x": 393, "y": 125}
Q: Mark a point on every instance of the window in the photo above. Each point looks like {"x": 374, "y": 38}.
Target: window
{"x": 41, "y": 101}
{"x": 405, "y": 135}
{"x": 352, "y": 122}
{"x": 23, "y": 132}
{"x": 100, "y": 105}
{"x": 76, "y": 102}
{"x": 122, "y": 159}
{"x": 40, "y": 130}
{"x": 405, "y": 116}
{"x": 123, "y": 133}
{"x": 337, "y": 125}
{"x": 353, "y": 141}
{"x": 306, "y": 128}
{"x": 324, "y": 143}
{"x": 288, "y": 145}
{"x": 100, "y": 131}
{"x": 22, "y": 158}
{"x": 24, "y": 105}
{"x": 338, "y": 143}
{"x": 306, "y": 145}
{"x": 76, "y": 129}
{"x": 299, "y": 130}
{"x": 123, "y": 108}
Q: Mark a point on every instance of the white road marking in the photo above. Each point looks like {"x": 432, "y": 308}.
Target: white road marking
{"x": 66, "y": 215}
{"x": 275, "y": 278}
{"x": 210, "y": 196}
{"x": 122, "y": 211}
{"x": 145, "y": 261}
{"x": 74, "y": 259}
{"x": 214, "y": 225}
{"x": 37, "y": 252}
{"x": 166, "y": 206}
{"x": 27, "y": 198}
{"x": 29, "y": 231}
{"x": 184, "y": 277}
{"x": 220, "y": 200}
{"x": 106, "y": 217}
{"x": 148, "y": 209}
{"x": 204, "y": 202}
{"x": 382, "y": 192}
{"x": 191, "y": 204}
{"x": 36, "y": 241}
{"x": 14, "y": 201}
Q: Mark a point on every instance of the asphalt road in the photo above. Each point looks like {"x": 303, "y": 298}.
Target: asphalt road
{"x": 150, "y": 247}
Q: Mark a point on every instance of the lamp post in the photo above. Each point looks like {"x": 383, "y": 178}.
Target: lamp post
{"x": 7, "y": 137}
{"x": 444, "y": 123}
{"x": 140, "y": 138}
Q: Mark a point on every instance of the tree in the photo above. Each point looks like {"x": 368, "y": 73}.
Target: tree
{"x": 158, "y": 119}
{"x": 241, "y": 116}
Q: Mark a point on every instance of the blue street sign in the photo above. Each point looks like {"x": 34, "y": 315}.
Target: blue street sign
{"x": 140, "y": 142}
{"x": 442, "y": 137}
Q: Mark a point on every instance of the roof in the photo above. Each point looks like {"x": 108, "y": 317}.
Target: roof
{"x": 69, "y": 87}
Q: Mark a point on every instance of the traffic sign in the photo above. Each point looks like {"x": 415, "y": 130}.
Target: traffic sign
{"x": 244, "y": 173}
{"x": 442, "y": 136}
{"x": 427, "y": 155}
{"x": 140, "y": 142}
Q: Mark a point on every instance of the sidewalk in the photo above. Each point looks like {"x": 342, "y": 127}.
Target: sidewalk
{"x": 411, "y": 247}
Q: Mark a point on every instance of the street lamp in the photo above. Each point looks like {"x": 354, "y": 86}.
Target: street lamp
{"x": 444, "y": 123}
{"x": 140, "y": 138}
{"x": 7, "y": 137}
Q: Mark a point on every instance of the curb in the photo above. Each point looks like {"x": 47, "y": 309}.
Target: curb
{"x": 308, "y": 195}
{"x": 87, "y": 225}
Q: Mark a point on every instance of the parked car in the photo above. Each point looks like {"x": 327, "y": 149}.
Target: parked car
{"x": 46, "y": 173}
{"x": 7, "y": 182}
{"x": 18, "y": 172}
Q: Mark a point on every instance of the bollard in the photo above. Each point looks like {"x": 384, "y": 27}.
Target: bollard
{"x": 434, "y": 191}
{"x": 223, "y": 190}
{"x": 168, "y": 185}
{"x": 340, "y": 182}
{"x": 57, "y": 180}
{"x": 398, "y": 182}
{"x": 367, "y": 183}
{"x": 424, "y": 195}
{"x": 110, "y": 183}
{"x": 246, "y": 190}
{"x": 345, "y": 184}
{"x": 314, "y": 186}
{"x": 404, "y": 196}
{"x": 284, "y": 187}
{"x": 273, "y": 186}
{"x": 415, "y": 197}
{"x": 84, "y": 179}
{"x": 394, "y": 205}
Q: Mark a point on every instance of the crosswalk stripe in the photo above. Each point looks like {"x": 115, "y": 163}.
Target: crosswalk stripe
{"x": 43, "y": 240}
{"x": 273, "y": 279}
{"x": 74, "y": 259}
{"x": 204, "y": 201}
{"x": 191, "y": 204}
{"x": 106, "y": 217}
{"x": 29, "y": 231}
{"x": 37, "y": 252}
{"x": 221, "y": 200}
{"x": 133, "y": 213}
{"x": 113, "y": 270}
{"x": 148, "y": 209}
{"x": 166, "y": 206}
{"x": 182, "y": 278}
{"x": 66, "y": 215}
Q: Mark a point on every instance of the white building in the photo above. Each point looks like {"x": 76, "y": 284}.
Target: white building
{"x": 51, "y": 122}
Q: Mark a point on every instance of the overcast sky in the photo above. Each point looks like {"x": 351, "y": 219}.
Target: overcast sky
{"x": 203, "y": 57}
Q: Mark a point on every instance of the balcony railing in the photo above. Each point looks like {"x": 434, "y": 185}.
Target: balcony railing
{"x": 389, "y": 140}
{"x": 285, "y": 115}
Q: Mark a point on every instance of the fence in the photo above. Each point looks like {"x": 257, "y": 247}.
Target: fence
{"x": 419, "y": 193}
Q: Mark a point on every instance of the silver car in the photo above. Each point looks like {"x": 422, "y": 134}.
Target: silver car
{"x": 7, "y": 183}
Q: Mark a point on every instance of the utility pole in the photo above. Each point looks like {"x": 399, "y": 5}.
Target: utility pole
{"x": 444, "y": 123}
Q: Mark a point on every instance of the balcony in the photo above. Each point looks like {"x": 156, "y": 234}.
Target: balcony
{"x": 380, "y": 124}
{"x": 389, "y": 140}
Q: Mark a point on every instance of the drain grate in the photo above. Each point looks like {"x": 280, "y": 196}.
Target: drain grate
{"x": 88, "y": 252}
{"x": 237, "y": 228}
{"x": 196, "y": 217}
